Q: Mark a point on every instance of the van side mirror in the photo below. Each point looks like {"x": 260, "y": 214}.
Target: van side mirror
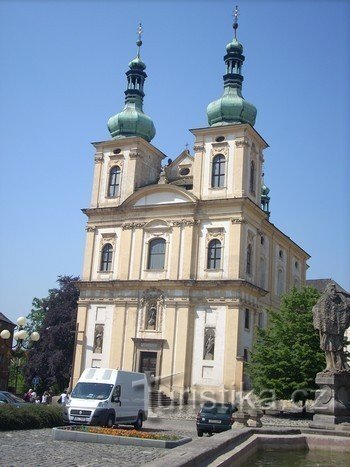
{"x": 116, "y": 393}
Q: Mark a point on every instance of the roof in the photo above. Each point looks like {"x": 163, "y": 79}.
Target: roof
{"x": 320, "y": 284}
{"x": 6, "y": 320}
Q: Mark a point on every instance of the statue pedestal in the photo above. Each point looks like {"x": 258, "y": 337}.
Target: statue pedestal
{"x": 332, "y": 401}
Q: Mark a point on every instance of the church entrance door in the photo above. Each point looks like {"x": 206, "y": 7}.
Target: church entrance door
{"x": 148, "y": 365}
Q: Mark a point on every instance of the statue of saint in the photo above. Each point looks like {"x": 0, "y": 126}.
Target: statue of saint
{"x": 331, "y": 316}
{"x": 151, "y": 318}
{"x": 209, "y": 344}
{"x": 98, "y": 341}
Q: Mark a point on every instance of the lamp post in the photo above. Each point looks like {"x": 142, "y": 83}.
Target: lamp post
{"x": 20, "y": 335}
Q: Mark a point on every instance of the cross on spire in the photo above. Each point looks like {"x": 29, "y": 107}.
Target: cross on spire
{"x": 139, "y": 41}
{"x": 235, "y": 20}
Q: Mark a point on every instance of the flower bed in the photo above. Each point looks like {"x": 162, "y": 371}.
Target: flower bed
{"x": 129, "y": 433}
{"x": 93, "y": 434}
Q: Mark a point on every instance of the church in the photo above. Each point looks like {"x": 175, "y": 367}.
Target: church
{"x": 181, "y": 261}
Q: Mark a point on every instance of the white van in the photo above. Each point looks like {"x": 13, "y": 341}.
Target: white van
{"x": 106, "y": 397}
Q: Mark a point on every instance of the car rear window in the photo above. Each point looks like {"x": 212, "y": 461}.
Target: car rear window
{"x": 216, "y": 408}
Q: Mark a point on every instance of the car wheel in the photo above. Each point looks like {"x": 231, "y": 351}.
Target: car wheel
{"x": 110, "y": 421}
{"x": 138, "y": 423}
{"x": 200, "y": 433}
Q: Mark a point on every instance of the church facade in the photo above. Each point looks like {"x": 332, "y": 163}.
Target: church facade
{"x": 181, "y": 260}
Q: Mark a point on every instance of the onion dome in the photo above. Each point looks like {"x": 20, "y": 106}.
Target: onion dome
{"x": 232, "y": 107}
{"x": 132, "y": 121}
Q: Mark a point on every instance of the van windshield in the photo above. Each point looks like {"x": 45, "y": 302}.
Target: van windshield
{"x": 92, "y": 391}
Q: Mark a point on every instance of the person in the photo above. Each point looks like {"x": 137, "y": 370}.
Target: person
{"x": 27, "y": 395}
{"x": 44, "y": 399}
{"x": 63, "y": 397}
{"x": 37, "y": 400}
{"x": 33, "y": 397}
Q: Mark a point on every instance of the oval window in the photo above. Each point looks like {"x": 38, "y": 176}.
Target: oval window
{"x": 185, "y": 171}
{"x": 117, "y": 151}
{"x": 219, "y": 139}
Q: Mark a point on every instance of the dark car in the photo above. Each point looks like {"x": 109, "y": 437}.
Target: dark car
{"x": 6, "y": 398}
{"x": 215, "y": 417}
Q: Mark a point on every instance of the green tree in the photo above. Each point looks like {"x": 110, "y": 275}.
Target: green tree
{"x": 287, "y": 355}
{"x": 50, "y": 358}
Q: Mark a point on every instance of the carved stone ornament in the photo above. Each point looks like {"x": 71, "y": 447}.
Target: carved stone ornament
{"x": 216, "y": 232}
{"x": 152, "y": 295}
{"x": 184, "y": 222}
{"x": 107, "y": 238}
{"x": 98, "y": 157}
{"x": 115, "y": 160}
{"x": 133, "y": 225}
{"x": 198, "y": 148}
{"x": 222, "y": 148}
{"x": 135, "y": 153}
{"x": 90, "y": 228}
{"x": 238, "y": 220}
{"x": 240, "y": 143}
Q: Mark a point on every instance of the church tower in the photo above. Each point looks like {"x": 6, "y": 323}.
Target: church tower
{"x": 128, "y": 161}
{"x": 181, "y": 262}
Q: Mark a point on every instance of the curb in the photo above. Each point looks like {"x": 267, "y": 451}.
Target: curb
{"x": 59, "y": 434}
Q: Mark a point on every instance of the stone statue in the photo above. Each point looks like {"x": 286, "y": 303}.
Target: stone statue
{"x": 209, "y": 344}
{"x": 98, "y": 340}
{"x": 151, "y": 318}
{"x": 331, "y": 316}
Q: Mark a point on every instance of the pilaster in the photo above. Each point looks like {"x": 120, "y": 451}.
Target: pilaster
{"x": 130, "y": 332}
{"x": 80, "y": 339}
{"x": 231, "y": 345}
{"x": 118, "y": 337}
{"x": 125, "y": 251}
{"x": 88, "y": 253}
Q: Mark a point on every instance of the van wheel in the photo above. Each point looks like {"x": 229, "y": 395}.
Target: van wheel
{"x": 200, "y": 433}
{"x": 110, "y": 421}
{"x": 138, "y": 423}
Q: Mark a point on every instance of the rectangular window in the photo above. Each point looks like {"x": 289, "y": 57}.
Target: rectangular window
{"x": 247, "y": 319}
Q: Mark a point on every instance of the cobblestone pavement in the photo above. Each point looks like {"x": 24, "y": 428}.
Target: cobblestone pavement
{"x": 188, "y": 412}
{"x": 36, "y": 448}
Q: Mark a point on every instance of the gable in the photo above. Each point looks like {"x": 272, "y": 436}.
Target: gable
{"x": 162, "y": 197}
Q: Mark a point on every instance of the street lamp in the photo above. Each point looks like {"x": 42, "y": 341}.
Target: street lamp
{"x": 20, "y": 335}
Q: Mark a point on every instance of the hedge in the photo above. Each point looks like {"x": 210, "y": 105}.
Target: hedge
{"x": 29, "y": 416}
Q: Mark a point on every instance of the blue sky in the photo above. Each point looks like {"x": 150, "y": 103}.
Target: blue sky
{"x": 63, "y": 66}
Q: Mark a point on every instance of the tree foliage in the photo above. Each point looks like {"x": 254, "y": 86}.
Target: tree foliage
{"x": 55, "y": 315}
{"x": 287, "y": 355}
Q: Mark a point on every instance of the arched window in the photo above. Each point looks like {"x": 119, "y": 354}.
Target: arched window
{"x": 114, "y": 181}
{"x": 214, "y": 254}
{"x": 218, "y": 171}
{"x": 106, "y": 257}
{"x": 252, "y": 178}
{"x": 249, "y": 259}
{"x": 156, "y": 254}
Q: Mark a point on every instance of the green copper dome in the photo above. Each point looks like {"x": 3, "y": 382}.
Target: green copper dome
{"x": 132, "y": 121}
{"x": 232, "y": 107}
{"x": 234, "y": 46}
